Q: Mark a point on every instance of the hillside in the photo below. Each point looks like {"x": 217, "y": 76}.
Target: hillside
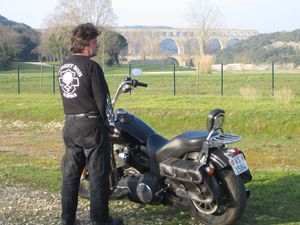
{"x": 279, "y": 47}
{"x": 19, "y": 37}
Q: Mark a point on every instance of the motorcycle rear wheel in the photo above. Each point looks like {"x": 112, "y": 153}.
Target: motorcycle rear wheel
{"x": 230, "y": 207}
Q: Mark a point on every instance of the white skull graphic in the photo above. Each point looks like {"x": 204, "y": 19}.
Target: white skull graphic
{"x": 68, "y": 81}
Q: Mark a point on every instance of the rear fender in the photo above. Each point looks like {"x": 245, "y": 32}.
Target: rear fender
{"x": 218, "y": 159}
{"x": 221, "y": 161}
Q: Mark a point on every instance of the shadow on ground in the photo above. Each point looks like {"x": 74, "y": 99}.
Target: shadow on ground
{"x": 275, "y": 200}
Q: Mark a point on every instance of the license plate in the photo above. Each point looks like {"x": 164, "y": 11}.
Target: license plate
{"x": 238, "y": 164}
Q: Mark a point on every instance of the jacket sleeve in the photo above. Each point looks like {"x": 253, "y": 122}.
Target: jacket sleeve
{"x": 101, "y": 93}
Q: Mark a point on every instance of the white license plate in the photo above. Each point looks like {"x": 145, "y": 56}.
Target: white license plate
{"x": 238, "y": 164}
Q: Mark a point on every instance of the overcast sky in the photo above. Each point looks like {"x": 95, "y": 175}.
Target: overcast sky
{"x": 265, "y": 16}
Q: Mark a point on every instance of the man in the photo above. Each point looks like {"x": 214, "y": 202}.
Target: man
{"x": 87, "y": 107}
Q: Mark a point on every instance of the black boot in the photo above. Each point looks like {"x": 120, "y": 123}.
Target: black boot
{"x": 77, "y": 222}
{"x": 111, "y": 221}
{"x": 116, "y": 221}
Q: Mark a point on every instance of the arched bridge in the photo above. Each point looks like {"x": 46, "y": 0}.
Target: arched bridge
{"x": 179, "y": 44}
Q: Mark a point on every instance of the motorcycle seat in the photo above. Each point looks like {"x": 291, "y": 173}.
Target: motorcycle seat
{"x": 159, "y": 148}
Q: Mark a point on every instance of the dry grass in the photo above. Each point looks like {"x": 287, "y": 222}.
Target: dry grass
{"x": 284, "y": 95}
{"x": 249, "y": 92}
{"x": 204, "y": 63}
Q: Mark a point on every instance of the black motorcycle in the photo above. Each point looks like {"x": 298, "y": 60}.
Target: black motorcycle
{"x": 194, "y": 170}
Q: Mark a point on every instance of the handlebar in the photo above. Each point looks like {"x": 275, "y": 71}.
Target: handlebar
{"x": 130, "y": 82}
{"x": 136, "y": 83}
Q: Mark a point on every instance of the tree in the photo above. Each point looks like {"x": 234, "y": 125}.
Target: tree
{"x": 59, "y": 41}
{"x": 8, "y": 48}
{"x": 21, "y": 37}
{"x": 70, "y": 13}
{"x": 115, "y": 44}
{"x": 27, "y": 40}
{"x": 204, "y": 16}
{"x": 74, "y": 12}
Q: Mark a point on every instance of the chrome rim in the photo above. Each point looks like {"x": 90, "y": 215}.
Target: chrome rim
{"x": 205, "y": 208}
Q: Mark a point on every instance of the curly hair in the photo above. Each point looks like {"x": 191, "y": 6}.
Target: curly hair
{"x": 81, "y": 35}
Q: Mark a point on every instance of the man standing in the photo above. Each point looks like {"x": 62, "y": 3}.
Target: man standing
{"x": 87, "y": 107}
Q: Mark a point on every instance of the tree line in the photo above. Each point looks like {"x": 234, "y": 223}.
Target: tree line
{"x": 17, "y": 41}
{"x": 278, "y": 47}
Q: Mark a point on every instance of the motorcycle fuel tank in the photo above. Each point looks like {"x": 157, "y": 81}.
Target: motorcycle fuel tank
{"x": 132, "y": 128}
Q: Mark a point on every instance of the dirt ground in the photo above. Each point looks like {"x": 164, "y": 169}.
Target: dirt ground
{"x": 31, "y": 140}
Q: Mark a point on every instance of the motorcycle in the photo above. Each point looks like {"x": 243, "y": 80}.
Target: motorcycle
{"x": 195, "y": 170}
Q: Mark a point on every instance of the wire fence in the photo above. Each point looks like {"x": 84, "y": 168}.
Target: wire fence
{"x": 43, "y": 79}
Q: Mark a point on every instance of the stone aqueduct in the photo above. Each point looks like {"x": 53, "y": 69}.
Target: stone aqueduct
{"x": 144, "y": 43}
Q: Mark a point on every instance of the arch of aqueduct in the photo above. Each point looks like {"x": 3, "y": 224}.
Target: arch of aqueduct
{"x": 144, "y": 42}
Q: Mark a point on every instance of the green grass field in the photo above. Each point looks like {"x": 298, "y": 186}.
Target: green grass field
{"x": 161, "y": 81}
{"x": 31, "y": 145}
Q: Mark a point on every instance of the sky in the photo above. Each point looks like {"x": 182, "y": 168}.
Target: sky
{"x": 265, "y": 16}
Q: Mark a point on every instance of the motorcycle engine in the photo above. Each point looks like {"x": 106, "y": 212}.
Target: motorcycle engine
{"x": 143, "y": 187}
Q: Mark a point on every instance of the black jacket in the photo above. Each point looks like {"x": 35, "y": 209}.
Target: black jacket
{"x": 83, "y": 87}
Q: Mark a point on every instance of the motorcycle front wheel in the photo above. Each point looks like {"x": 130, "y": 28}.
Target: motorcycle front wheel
{"x": 229, "y": 208}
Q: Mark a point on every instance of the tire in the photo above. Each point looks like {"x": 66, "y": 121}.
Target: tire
{"x": 229, "y": 209}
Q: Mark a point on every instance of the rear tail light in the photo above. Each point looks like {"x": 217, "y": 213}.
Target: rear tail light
{"x": 210, "y": 169}
{"x": 233, "y": 151}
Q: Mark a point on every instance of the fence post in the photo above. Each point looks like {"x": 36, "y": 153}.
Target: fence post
{"x": 222, "y": 79}
{"x": 53, "y": 79}
{"x": 18, "y": 80}
{"x": 273, "y": 79}
{"x": 174, "y": 79}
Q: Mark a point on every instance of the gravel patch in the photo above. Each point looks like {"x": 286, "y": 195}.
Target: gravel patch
{"x": 21, "y": 205}
{"x": 25, "y": 206}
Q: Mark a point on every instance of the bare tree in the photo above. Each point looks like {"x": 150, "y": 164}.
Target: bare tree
{"x": 204, "y": 16}
{"x": 149, "y": 46}
{"x": 74, "y": 12}
{"x": 68, "y": 14}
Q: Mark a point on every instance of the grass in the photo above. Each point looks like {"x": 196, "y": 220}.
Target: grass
{"x": 31, "y": 144}
{"x": 36, "y": 172}
{"x": 161, "y": 81}
{"x": 269, "y": 127}
{"x": 262, "y": 117}
{"x": 274, "y": 193}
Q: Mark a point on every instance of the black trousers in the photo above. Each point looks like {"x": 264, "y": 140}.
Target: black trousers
{"x": 86, "y": 143}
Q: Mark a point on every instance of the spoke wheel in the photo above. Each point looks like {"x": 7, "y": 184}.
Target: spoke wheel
{"x": 205, "y": 208}
{"x": 229, "y": 208}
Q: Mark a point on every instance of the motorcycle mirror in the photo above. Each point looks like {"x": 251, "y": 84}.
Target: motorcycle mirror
{"x": 136, "y": 72}
{"x": 215, "y": 120}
